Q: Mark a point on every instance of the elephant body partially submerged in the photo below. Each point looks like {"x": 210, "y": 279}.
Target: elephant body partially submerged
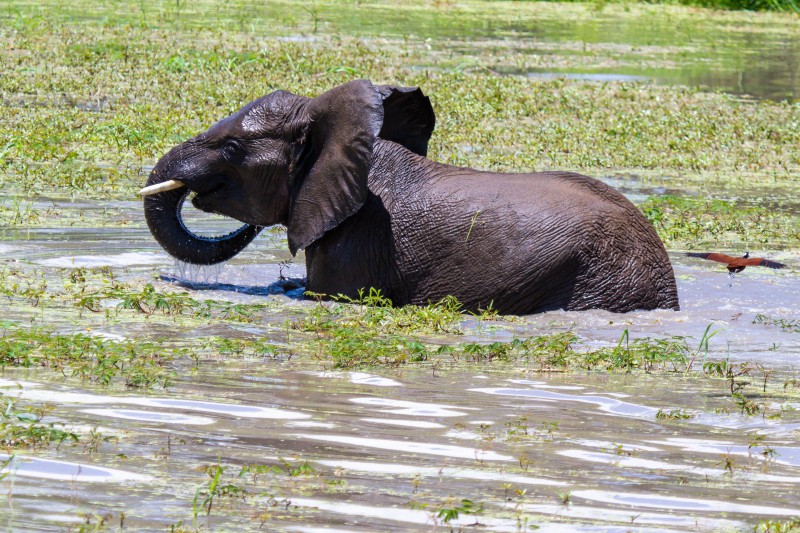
{"x": 346, "y": 173}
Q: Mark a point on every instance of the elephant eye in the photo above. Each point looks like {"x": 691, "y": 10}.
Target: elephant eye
{"x": 231, "y": 148}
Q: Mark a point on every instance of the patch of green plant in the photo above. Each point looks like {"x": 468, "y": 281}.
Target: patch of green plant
{"x": 95, "y": 359}
{"x": 220, "y": 487}
{"x": 750, "y": 387}
{"x": 372, "y": 312}
{"x": 791, "y": 6}
{"x": 147, "y": 301}
{"x": 214, "y": 491}
{"x": 645, "y": 354}
{"x": 61, "y": 138}
{"x": 258, "y": 348}
{"x": 368, "y": 330}
{"x": 558, "y": 352}
{"x": 150, "y": 301}
{"x": 552, "y": 351}
{"x": 348, "y": 348}
{"x": 23, "y": 428}
{"x": 693, "y": 222}
{"x": 788, "y": 325}
{"x": 673, "y": 414}
{"x": 452, "y": 510}
{"x": 519, "y": 429}
{"x": 286, "y": 468}
{"x": 778, "y": 526}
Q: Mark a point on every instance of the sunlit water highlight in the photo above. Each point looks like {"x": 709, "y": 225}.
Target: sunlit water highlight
{"x": 34, "y": 467}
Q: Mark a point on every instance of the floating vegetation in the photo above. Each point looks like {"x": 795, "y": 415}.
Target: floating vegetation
{"x": 92, "y": 358}
{"x": 694, "y": 222}
{"x": 788, "y": 325}
{"x": 60, "y": 139}
{"x": 778, "y": 526}
{"x": 374, "y": 313}
{"x": 674, "y": 414}
{"x": 24, "y": 428}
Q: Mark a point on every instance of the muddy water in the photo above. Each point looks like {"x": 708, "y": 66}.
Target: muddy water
{"x": 395, "y": 449}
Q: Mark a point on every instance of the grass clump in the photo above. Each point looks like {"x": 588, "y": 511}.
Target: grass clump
{"x": 368, "y": 330}
{"x": 560, "y": 352}
{"x": 257, "y": 348}
{"x": 107, "y": 108}
{"x": 674, "y": 414}
{"x": 788, "y": 6}
{"x": 94, "y": 359}
{"x": 788, "y": 325}
{"x": 350, "y": 348}
{"x": 23, "y": 428}
{"x": 148, "y": 301}
{"x": 373, "y": 313}
{"x": 778, "y": 526}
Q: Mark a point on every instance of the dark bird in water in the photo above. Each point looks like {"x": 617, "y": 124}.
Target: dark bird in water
{"x": 737, "y": 264}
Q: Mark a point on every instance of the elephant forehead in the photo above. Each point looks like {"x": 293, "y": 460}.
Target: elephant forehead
{"x": 270, "y": 113}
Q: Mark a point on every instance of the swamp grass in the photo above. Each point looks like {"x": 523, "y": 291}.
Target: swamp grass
{"x": 90, "y": 103}
{"x": 93, "y": 94}
{"x": 352, "y": 334}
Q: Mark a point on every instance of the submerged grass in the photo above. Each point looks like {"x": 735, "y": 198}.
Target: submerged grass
{"x": 24, "y": 428}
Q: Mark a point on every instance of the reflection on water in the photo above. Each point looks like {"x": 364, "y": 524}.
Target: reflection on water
{"x": 674, "y": 503}
{"x": 413, "y": 448}
{"x": 610, "y": 405}
{"x": 34, "y": 467}
{"x": 614, "y": 458}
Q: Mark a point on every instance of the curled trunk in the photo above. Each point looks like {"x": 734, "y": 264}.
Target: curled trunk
{"x": 163, "y": 214}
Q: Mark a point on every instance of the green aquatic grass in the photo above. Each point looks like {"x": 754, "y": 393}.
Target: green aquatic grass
{"x": 373, "y": 312}
{"x": 94, "y": 359}
{"x": 696, "y": 221}
{"x": 108, "y": 106}
{"x": 25, "y": 428}
{"x": 777, "y": 526}
{"x": 93, "y": 93}
{"x": 785, "y": 324}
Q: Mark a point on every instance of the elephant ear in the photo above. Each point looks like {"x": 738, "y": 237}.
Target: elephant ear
{"x": 330, "y": 182}
{"x": 408, "y": 117}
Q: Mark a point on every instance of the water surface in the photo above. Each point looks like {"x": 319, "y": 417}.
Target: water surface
{"x": 387, "y": 449}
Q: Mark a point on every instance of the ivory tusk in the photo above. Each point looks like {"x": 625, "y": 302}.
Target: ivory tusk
{"x": 161, "y": 187}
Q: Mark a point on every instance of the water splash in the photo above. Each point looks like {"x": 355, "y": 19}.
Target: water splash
{"x": 205, "y": 274}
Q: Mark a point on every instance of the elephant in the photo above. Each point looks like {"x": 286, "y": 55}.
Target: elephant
{"x": 346, "y": 173}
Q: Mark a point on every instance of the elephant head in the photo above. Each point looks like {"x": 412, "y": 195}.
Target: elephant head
{"x": 282, "y": 159}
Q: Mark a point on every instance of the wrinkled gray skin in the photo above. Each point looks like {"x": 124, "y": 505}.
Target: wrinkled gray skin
{"x": 346, "y": 174}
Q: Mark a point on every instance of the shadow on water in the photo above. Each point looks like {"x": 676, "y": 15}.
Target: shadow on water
{"x": 291, "y": 287}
